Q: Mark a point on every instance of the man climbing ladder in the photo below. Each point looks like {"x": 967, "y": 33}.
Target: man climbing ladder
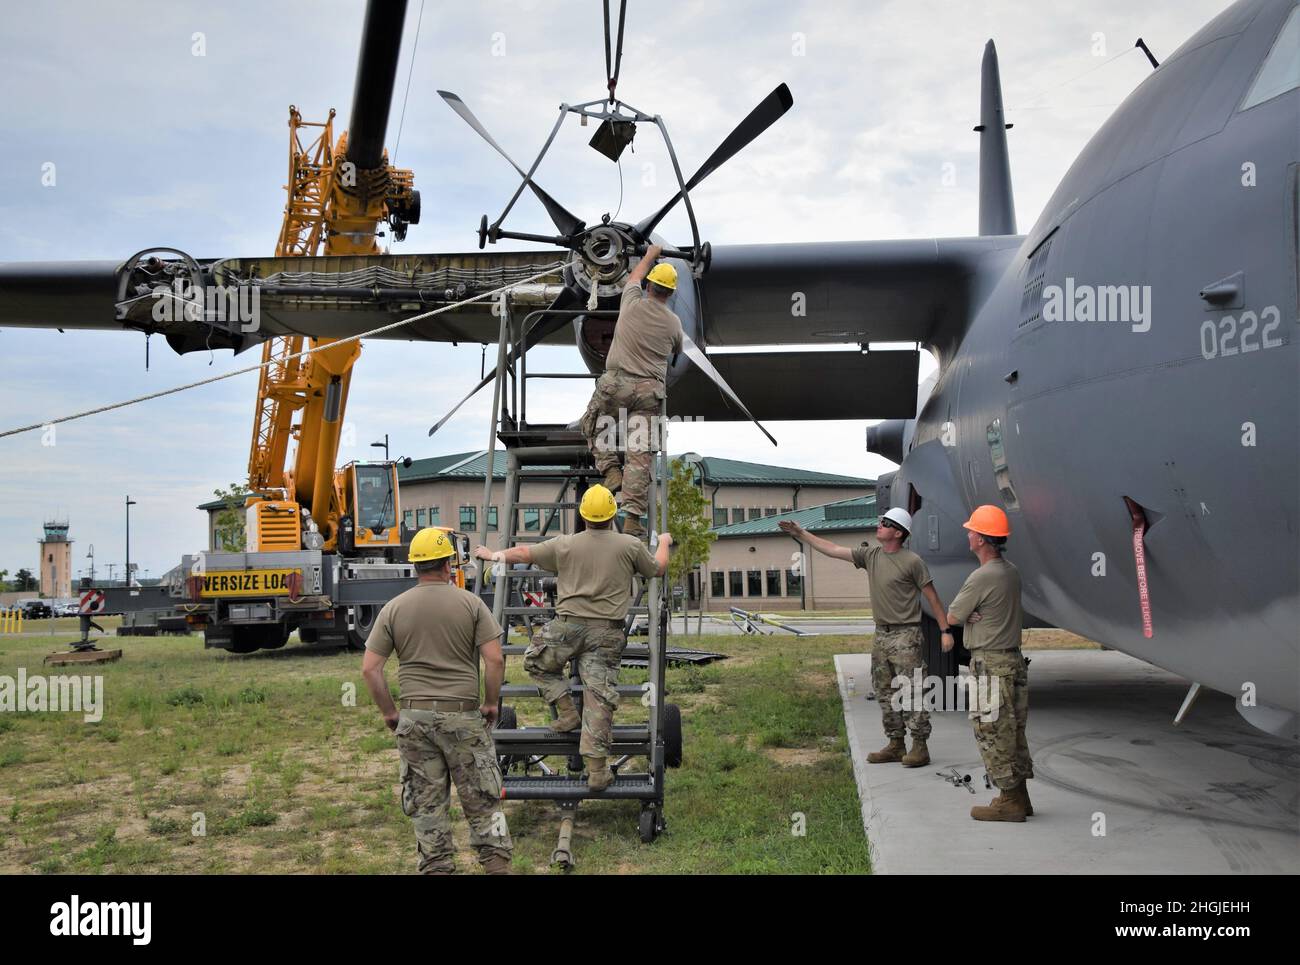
{"x": 594, "y": 570}
{"x": 631, "y": 391}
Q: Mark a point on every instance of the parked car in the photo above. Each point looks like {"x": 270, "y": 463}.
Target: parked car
{"x": 69, "y": 609}
{"x": 35, "y": 609}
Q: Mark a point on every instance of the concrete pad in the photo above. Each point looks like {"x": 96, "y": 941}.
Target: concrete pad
{"x": 1211, "y": 796}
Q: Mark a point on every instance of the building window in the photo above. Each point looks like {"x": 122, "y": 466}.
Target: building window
{"x": 773, "y": 582}
{"x": 738, "y": 515}
{"x": 719, "y": 517}
{"x": 786, "y": 509}
{"x": 755, "y": 513}
{"x": 468, "y": 518}
{"x": 793, "y": 583}
{"x": 755, "y": 582}
{"x": 408, "y": 519}
{"x": 433, "y": 515}
{"x": 736, "y": 583}
{"x": 532, "y": 519}
{"x": 421, "y": 518}
{"x": 718, "y": 583}
{"x": 771, "y": 511}
{"x": 492, "y": 519}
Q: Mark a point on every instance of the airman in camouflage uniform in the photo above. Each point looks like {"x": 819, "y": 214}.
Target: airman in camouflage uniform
{"x": 594, "y": 570}
{"x": 989, "y": 604}
{"x": 443, "y": 733}
{"x": 627, "y": 397}
{"x": 897, "y": 579}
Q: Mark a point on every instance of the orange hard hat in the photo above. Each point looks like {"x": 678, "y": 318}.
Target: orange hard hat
{"x": 988, "y": 521}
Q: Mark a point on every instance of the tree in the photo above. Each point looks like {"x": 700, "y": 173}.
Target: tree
{"x": 690, "y": 523}
{"x": 24, "y": 581}
{"x": 229, "y": 531}
{"x": 4, "y": 586}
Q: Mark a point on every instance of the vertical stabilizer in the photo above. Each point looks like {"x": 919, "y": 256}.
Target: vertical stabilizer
{"x": 997, "y": 205}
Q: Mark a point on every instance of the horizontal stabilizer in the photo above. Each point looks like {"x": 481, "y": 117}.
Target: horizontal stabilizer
{"x": 803, "y": 385}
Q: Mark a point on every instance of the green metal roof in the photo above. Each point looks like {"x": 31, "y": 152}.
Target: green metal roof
{"x": 858, "y": 513}
{"x": 458, "y": 465}
{"x": 733, "y": 472}
{"x": 711, "y": 470}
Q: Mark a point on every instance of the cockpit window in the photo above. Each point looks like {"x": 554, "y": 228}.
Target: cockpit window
{"x": 1281, "y": 70}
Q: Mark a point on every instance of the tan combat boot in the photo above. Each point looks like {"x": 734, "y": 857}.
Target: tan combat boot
{"x": 1005, "y": 807}
{"x": 633, "y": 527}
{"x": 496, "y": 865}
{"x": 568, "y": 717}
{"x": 890, "y": 753}
{"x": 613, "y": 479}
{"x": 599, "y": 776}
{"x": 1022, "y": 795}
{"x": 919, "y": 755}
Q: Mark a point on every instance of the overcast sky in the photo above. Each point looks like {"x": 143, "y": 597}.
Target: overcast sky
{"x": 153, "y": 145}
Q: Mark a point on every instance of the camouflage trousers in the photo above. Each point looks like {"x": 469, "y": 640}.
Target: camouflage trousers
{"x": 1001, "y": 738}
{"x": 622, "y": 415}
{"x": 897, "y": 653}
{"x": 595, "y": 653}
{"x": 436, "y": 746}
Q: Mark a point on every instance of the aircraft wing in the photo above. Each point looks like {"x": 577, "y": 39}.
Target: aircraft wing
{"x": 324, "y": 296}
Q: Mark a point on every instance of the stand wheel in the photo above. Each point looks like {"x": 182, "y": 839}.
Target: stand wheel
{"x": 648, "y": 824}
{"x": 509, "y": 720}
{"x": 672, "y": 732}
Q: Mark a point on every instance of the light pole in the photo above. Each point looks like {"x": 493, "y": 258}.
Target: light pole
{"x": 91, "y": 556}
{"x": 129, "y": 503}
{"x": 382, "y": 445}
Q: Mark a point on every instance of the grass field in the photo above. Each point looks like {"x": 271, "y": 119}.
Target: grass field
{"x": 289, "y": 779}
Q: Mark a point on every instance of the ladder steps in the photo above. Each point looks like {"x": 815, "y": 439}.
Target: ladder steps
{"x": 515, "y": 787}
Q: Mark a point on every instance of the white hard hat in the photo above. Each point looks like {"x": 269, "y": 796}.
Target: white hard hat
{"x": 900, "y": 516}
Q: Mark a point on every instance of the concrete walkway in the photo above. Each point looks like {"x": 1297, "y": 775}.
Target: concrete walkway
{"x": 1211, "y": 796}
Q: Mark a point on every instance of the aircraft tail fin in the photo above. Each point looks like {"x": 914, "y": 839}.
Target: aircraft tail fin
{"x": 997, "y": 204}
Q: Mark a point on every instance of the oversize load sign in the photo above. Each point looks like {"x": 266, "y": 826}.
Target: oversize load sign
{"x": 247, "y": 583}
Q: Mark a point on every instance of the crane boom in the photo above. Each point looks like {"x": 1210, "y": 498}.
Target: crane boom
{"x": 339, "y": 193}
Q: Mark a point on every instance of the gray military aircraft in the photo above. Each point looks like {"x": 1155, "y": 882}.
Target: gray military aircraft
{"x": 1123, "y": 379}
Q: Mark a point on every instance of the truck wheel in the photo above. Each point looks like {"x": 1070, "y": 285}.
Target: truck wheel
{"x": 672, "y": 735}
{"x": 245, "y": 639}
{"x": 363, "y": 621}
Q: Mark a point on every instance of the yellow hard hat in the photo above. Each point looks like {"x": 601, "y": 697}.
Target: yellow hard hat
{"x": 663, "y": 274}
{"x": 598, "y": 505}
{"x": 431, "y": 544}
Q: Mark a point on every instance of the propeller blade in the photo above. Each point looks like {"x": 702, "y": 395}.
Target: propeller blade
{"x": 567, "y": 224}
{"x": 701, "y": 362}
{"x": 547, "y": 326}
{"x": 767, "y": 113}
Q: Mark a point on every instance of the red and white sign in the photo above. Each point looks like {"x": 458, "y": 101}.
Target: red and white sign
{"x": 534, "y": 599}
{"x": 92, "y": 601}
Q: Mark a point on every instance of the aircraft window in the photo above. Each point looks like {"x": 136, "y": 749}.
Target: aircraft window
{"x": 1281, "y": 70}
{"x": 1001, "y": 474}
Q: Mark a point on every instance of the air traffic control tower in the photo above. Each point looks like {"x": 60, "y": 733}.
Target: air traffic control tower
{"x": 56, "y": 561}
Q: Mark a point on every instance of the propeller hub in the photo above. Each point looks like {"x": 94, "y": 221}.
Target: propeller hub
{"x": 602, "y": 259}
